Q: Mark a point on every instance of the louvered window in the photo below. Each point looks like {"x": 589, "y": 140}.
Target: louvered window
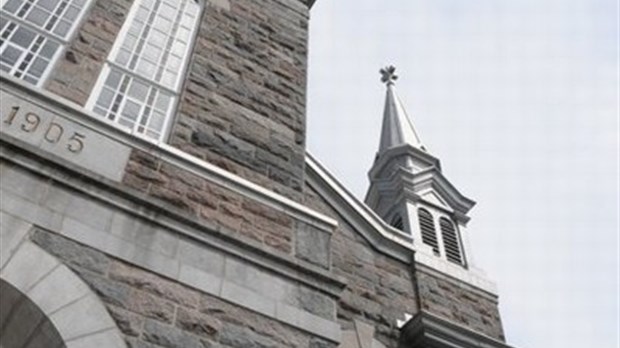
{"x": 139, "y": 86}
{"x": 32, "y": 34}
{"x": 397, "y": 223}
{"x": 450, "y": 241}
{"x": 427, "y": 227}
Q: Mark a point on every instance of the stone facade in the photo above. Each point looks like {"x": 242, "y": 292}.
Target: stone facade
{"x": 380, "y": 290}
{"x": 243, "y": 106}
{"x": 152, "y": 311}
{"x": 459, "y": 303}
{"x": 243, "y": 103}
{"x": 75, "y": 74}
{"x": 226, "y": 234}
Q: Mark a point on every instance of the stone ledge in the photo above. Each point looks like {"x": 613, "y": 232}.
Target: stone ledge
{"x": 107, "y": 192}
{"x": 241, "y": 288}
{"x": 427, "y": 330}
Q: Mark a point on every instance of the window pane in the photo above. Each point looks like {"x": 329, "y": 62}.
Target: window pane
{"x": 142, "y": 15}
{"x": 129, "y": 42}
{"x": 157, "y": 38}
{"x": 178, "y": 48}
{"x": 114, "y": 78}
{"x": 49, "y": 49}
{"x": 105, "y": 99}
{"x": 123, "y": 57}
{"x": 10, "y": 55}
{"x": 174, "y": 62}
{"x": 62, "y": 28}
{"x": 168, "y": 10}
{"x": 99, "y": 110}
{"x": 135, "y": 29}
{"x": 138, "y": 90}
{"x": 131, "y": 110}
{"x": 12, "y": 5}
{"x": 152, "y": 52}
{"x": 187, "y": 21}
{"x": 168, "y": 78}
{"x": 162, "y": 24}
{"x": 3, "y": 22}
{"x": 183, "y": 34}
{"x": 38, "y": 16}
{"x": 23, "y": 37}
{"x": 48, "y": 4}
{"x": 31, "y": 79}
{"x": 37, "y": 67}
{"x": 157, "y": 120}
{"x": 163, "y": 101}
{"x": 146, "y": 69}
{"x": 71, "y": 13}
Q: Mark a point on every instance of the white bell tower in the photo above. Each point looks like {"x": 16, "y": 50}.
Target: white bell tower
{"x": 408, "y": 190}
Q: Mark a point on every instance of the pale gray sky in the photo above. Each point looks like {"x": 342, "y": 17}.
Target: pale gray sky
{"x": 519, "y": 99}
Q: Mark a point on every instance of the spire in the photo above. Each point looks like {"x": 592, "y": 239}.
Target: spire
{"x": 397, "y": 128}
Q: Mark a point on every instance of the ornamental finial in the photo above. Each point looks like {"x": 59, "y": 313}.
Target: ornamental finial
{"x": 388, "y": 75}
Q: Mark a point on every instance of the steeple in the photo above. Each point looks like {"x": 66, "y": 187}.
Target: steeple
{"x": 408, "y": 190}
{"x": 397, "y": 127}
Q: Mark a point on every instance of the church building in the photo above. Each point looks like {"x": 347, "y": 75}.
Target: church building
{"x": 156, "y": 192}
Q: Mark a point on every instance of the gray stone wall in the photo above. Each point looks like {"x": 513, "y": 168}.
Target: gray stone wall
{"x": 243, "y": 106}
{"x": 152, "y": 311}
{"x": 75, "y": 74}
{"x": 380, "y": 290}
{"x": 241, "y": 217}
{"x": 459, "y": 303}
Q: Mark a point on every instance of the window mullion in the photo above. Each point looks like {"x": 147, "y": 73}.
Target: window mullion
{"x": 49, "y": 35}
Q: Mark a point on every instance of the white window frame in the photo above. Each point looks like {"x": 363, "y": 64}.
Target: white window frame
{"x": 175, "y": 92}
{"x": 63, "y": 42}
{"x": 457, "y": 237}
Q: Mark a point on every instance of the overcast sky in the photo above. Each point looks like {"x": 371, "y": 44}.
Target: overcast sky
{"x": 519, "y": 100}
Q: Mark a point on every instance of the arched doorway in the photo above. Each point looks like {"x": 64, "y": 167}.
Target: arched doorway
{"x": 44, "y": 295}
{"x": 22, "y": 323}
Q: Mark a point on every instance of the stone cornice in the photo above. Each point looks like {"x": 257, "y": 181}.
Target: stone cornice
{"x": 403, "y": 150}
{"x": 402, "y": 180}
{"x": 427, "y": 330}
{"x": 379, "y": 234}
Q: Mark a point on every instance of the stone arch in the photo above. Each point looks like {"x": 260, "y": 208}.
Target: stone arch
{"x": 72, "y": 309}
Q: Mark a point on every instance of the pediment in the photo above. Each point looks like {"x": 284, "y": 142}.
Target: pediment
{"x": 431, "y": 185}
{"x": 435, "y": 199}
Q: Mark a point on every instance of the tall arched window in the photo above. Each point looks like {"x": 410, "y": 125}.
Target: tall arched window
{"x": 32, "y": 34}
{"x": 427, "y": 227}
{"x": 451, "y": 243}
{"x": 139, "y": 86}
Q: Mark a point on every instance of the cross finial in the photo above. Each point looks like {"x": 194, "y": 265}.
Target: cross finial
{"x": 388, "y": 75}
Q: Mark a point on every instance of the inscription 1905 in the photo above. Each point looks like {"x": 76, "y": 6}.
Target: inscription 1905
{"x": 51, "y": 132}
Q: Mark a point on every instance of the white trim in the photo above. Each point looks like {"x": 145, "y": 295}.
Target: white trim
{"x": 63, "y": 42}
{"x": 175, "y": 90}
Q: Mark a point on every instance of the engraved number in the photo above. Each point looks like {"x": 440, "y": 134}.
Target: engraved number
{"x": 53, "y": 133}
{"x": 75, "y": 144}
{"x": 12, "y": 114}
{"x": 32, "y": 122}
